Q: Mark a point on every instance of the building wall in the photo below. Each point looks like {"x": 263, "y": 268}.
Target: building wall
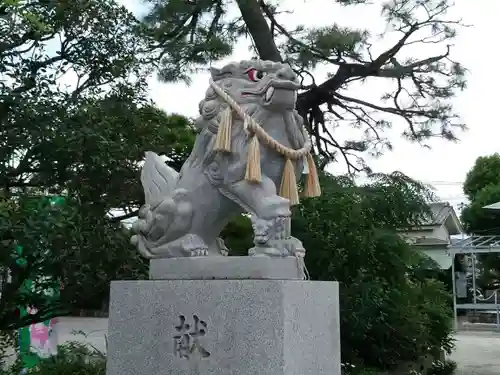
{"x": 94, "y": 331}
{"x": 440, "y": 253}
{"x": 440, "y": 233}
{"x": 440, "y": 256}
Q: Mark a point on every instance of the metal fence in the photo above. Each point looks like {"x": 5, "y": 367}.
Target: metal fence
{"x": 472, "y": 246}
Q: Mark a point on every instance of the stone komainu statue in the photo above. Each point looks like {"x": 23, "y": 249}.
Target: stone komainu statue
{"x": 251, "y": 143}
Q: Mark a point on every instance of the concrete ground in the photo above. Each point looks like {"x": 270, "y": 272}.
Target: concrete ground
{"x": 477, "y": 353}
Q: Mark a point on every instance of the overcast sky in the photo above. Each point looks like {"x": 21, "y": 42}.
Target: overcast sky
{"x": 446, "y": 164}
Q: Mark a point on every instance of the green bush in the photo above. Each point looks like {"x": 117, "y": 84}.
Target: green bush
{"x": 390, "y": 311}
{"x": 447, "y": 367}
{"x": 72, "y": 359}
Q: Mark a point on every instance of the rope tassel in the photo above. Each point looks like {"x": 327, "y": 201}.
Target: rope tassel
{"x": 313, "y": 187}
{"x": 288, "y": 188}
{"x": 223, "y": 140}
{"x": 253, "y": 172}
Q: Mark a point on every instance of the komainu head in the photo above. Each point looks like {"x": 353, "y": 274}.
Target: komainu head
{"x": 265, "y": 83}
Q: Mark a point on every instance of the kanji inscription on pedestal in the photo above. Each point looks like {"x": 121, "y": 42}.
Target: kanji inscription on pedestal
{"x": 186, "y": 339}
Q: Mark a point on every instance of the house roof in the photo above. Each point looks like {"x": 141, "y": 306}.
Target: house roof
{"x": 439, "y": 213}
{"x": 493, "y": 206}
{"x": 442, "y": 213}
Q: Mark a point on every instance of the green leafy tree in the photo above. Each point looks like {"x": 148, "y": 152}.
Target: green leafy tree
{"x": 390, "y": 310}
{"x": 75, "y": 121}
{"x": 393, "y": 308}
{"x": 191, "y": 34}
{"x": 478, "y": 220}
{"x": 27, "y": 218}
{"x": 482, "y": 187}
{"x": 484, "y": 172}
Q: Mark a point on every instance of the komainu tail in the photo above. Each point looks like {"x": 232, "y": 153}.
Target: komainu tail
{"x": 157, "y": 178}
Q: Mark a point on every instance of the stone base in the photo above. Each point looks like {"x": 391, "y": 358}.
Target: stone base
{"x": 224, "y": 327}
{"x": 226, "y": 268}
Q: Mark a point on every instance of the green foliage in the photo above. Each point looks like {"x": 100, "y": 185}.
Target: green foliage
{"x": 191, "y": 34}
{"x": 482, "y": 187}
{"x": 94, "y": 251}
{"x": 486, "y": 171}
{"x": 348, "y": 370}
{"x": 38, "y": 224}
{"x": 393, "y": 305}
{"x": 72, "y": 359}
{"x": 238, "y": 236}
{"x": 75, "y": 121}
{"x": 447, "y": 367}
{"x": 478, "y": 220}
{"x": 390, "y": 312}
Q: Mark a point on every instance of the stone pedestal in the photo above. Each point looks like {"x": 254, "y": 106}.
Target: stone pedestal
{"x": 227, "y": 268}
{"x": 224, "y": 327}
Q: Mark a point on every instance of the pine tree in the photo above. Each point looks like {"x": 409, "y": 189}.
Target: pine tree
{"x": 193, "y": 33}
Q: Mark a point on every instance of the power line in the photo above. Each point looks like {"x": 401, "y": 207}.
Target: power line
{"x": 450, "y": 183}
{"x": 454, "y": 199}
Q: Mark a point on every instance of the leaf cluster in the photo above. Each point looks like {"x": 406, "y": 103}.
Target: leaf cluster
{"x": 390, "y": 311}
{"x": 75, "y": 121}
{"x": 482, "y": 187}
{"x": 72, "y": 358}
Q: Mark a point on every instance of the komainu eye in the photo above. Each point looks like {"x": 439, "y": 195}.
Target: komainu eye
{"x": 256, "y": 75}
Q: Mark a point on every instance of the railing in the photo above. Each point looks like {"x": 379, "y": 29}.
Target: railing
{"x": 484, "y": 304}
{"x": 475, "y": 245}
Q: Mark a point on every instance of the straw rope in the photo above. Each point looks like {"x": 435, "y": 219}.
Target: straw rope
{"x": 288, "y": 187}
{"x": 254, "y": 127}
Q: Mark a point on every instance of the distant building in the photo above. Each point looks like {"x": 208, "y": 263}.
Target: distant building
{"x": 434, "y": 234}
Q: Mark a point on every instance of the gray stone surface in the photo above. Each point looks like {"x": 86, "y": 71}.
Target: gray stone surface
{"x": 253, "y": 327}
{"x": 232, "y": 268}
{"x": 185, "y": 212}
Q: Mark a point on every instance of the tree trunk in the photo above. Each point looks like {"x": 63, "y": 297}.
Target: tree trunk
{"x": 259, "y": 30}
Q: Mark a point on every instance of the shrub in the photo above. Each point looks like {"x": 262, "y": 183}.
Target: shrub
{"x": 72, "y": 359}
{"x": 390, "y": 311}
{"x": 447, "y": 367}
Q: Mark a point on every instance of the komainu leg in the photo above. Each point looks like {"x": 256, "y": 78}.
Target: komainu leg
{"x": 160, "y": 231}
{"x": 272, "y": 237}
{"x": 271, "y": 217}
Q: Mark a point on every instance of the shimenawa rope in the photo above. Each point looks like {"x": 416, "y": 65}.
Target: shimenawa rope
{"x": 257, "y": 133}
